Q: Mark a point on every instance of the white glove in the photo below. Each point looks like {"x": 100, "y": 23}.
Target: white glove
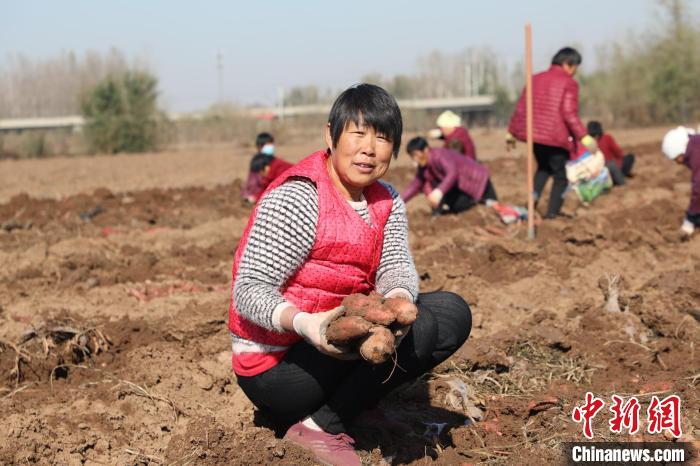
{"x": 435, "y": 133}
{"x": 688, "y": 227}
{"x": 312, "y": 327}
{"x": 434, "y": 198}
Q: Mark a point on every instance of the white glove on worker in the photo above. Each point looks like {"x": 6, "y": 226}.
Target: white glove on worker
{"x": 687, "y": 228}
{"x": 435, "y": 133}
{"x": 434, "y": 198}
{"x": 312, "y": 328}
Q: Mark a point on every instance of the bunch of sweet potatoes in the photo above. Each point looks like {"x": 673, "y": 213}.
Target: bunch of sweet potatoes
{"x": 368, "y": 322}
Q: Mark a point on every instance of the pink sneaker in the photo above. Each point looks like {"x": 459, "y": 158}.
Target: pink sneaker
{"x": 334, "y": 450}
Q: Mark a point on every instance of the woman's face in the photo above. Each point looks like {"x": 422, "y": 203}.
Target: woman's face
{"x": 421, "y": 156}
{"x": 361, "y": 157}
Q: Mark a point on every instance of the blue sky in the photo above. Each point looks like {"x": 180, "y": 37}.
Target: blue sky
{"x": 268, "y": 43}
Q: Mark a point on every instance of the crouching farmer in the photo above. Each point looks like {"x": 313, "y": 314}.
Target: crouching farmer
{"x": 323, "y": 230}
{"x": 683, "y": 146}
{"x": 452, "y": 183}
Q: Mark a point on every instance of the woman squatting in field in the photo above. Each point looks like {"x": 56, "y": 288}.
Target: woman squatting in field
{"x": 325, "y": 229}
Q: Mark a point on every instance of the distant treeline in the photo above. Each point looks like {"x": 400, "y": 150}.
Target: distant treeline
{"x": 650, "y": 77}
{"x": 56, "y": 86}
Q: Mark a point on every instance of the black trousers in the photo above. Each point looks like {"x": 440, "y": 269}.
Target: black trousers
{"x": 551, "y": 161}
{"x": 693, "y": 218}
{"x": 331, "y": 391}
{"x": 456, "y": 200}
{"x": 618, "y": 174}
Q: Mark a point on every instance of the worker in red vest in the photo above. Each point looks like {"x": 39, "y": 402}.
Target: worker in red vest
{"x": 324, "y": 229}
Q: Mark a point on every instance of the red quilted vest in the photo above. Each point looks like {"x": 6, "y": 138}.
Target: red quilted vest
{"x": 343, "y": 260}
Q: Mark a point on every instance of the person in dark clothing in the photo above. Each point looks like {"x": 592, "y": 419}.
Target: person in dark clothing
{"x": 557, "y": 128}
{"x": 452, "y": 183}
{"x": 619, "y": 164}
{"x": 682, "y": 145}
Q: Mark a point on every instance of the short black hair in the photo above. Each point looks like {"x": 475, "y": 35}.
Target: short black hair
{"x": 595, "y": 129}
{"x": 369, "y": 105}
{"x": 417, "y": 143}
{"x": 260, "y": 161}
{"x": 262, "y": 139}
{"x": 568, "y": 56}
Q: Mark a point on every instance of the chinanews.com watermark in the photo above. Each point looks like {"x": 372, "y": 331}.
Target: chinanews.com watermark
{"x": 629, "y": 453}
{"x": 663, "y": 416}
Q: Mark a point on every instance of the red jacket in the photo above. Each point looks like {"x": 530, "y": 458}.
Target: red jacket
{"x": 461, "y": 134}
{"x": 256, "y": 184}
{"x": 277, "y": 167}
{"x": 612, "y": 152}
{"x": 554, "y": 108}
{"x": 448, "y": 169}
{"x": 343, "y": 260}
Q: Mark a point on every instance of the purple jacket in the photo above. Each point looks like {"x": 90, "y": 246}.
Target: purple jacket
{"x": 692, "y": 160}
{"x": 447, "y": 169}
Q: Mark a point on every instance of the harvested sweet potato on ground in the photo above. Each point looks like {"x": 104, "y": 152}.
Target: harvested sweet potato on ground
{"x": 404, "y": 310}
{"x": 378, "y": 346}
{"x": 346, "y": 329}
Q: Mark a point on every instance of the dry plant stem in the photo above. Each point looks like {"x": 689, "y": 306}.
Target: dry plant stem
{"x": 20, "y": 356}
{"x": 630, "y": 343}
{"x": 143, "y": 456}
{"x": 14, "y": 392}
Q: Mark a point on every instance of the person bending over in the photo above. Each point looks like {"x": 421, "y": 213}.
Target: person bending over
{"x": 452, "y": 183}
{"x": 682, "y": 145}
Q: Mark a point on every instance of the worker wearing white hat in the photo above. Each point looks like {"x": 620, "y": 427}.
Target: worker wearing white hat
{"x": 682, "y": 145}
{"x": 455, "y": 135}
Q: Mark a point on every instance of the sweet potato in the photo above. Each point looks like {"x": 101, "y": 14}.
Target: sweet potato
{"x": 346, "y": 329}
{"x": 378, "y": 345}
{"x": 404, "y": 311}
{"x": 370, "y": 308}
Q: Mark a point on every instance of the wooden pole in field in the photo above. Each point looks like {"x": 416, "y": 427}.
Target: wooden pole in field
{"x": 530, "y": 151}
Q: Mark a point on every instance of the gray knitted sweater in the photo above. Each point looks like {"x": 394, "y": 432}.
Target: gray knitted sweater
{"x": 282, "y": 236}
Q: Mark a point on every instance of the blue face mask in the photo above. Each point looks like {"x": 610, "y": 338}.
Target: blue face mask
{"x": 268, "y": 149}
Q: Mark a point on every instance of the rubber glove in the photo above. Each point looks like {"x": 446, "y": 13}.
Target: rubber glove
{"x": 434, "y": 198}
{"x": 687, "y": 228}
{"x": 435, "y": 133}
{"x": 312, "y": 328}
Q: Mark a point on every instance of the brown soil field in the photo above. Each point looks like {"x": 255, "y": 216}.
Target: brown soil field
{"x": 114, "y": 290}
